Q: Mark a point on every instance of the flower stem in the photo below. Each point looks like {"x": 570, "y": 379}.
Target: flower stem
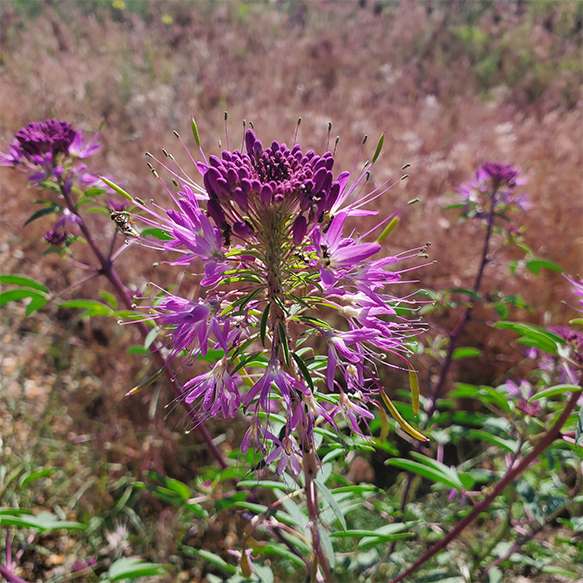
{"x": 511, "y": 475}
{"x": 10, "y": 576}
{"x": 107, "y": 269}
{"x": 310, "y": 469}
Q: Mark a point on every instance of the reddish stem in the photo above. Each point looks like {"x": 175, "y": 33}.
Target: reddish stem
{"x": 109, "y": 272}
{"x": 512, "y": 474}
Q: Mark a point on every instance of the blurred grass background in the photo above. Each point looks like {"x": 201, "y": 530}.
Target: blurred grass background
{"x": 453, "y": 83}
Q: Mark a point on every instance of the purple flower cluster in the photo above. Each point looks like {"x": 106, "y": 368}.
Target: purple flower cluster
{"x": 47, "y": 150}
{"x": 267, "y": 232}
{"x": 494, "y": 184}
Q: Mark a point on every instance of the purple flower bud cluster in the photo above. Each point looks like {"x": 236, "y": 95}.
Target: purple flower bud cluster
{"x": 243, "y": 186}
{"x": 47, "y": 149}
{"x": 268, "y": 235}
{"x": 49, "y": 152}
{"x": 494, "y": 184}
{"x": 39, "y": 138}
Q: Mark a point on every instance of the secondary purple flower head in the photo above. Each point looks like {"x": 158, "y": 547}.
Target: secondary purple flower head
{"x": 497, "y": 181}
{"x": 499, "y": 174}
{"x": 51, "y": 136}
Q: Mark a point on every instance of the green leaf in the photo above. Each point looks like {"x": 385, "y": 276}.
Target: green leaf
{"x": 156, "y": 233}
{"x": 38, "y": 299}
{"x": 42, "y": 522}
{"x": 304, "y": 370}
{"x": 292, "y": 509}
{"x": 332, "y": 501}
{"x": 269, "y": 484}
{"x": 152, "y": 335}
{"x": 23, "y": 282}
{"x": 264, "y": 318}
{"x": 436, "y": 465}
{"x": 510, "y": 445}
{"x": 95, "y": 192}
{"x": 327, "y": 545}
{"x": 137, "y": 349}
{"x": 92, "y": 307}
{"x": 283, "y": 343}
{"x": 280, "y": 550}
{"x": 33, "y": 476}
{"x": 215, "y": 560}
{"x": 533, "y": 336}
{"x": 579, "y": 428}
{"x": 466, "y": 352}
{"x": 536, "y": 264}
{"x": 42, "y": 212}
{"x": 555, "y": 390}
{"x": 426, "y": 472}
{"x": 464, "y": 290}
{"x": 131, "y": 568}
{"x": 109, "y": 298}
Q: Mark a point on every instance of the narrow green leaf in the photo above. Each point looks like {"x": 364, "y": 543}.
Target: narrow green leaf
{"x": 42, "y": 212}
{"x": 579, "y": 428}
{"x": 20, "y": 294}
{"x": 131, "y": 568}
{"x": 109, "y": 298}
{"x": 510, "y": 445}
{"x": 328, "y": 547}
{"x": 24, "y": 282}
{"x": 464, "y": 290}
{"x": 146, "y": 383}
{"x": 93, "y": 307}
{"x": 33, "y": 476}
{"x": 36, "y": 303}
{"x": 137, "y": 350}
{"x": 156, "y": 233}
{"x": 151, "y": 336}
{"x": 332, "y": 501}
{"x": 95, "y": 191}
{"x": 466, "y": 352}
{"x": 264, "y": 319}
{"x": 555, "y": 390}
{"x": 536, "y": 264}
{"x": 304, "y": 370}
{"x": 437, "y": 466}
{"x": 375, "y": 541}
{"x": 424, "y": 471}
{"x": 283, "y": 341}
{"x": 248, "y": 360}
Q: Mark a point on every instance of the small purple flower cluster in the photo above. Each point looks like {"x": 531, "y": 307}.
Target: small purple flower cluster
{"x": 494, "y": 184}
{"x": 267, "y": 232}
{"x": 49, "y": 151}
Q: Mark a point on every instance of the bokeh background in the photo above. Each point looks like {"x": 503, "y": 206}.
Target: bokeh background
{"x": 452, "y": 83}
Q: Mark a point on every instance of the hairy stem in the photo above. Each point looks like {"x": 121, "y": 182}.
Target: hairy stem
{"x": 510, "y": 475}
{"x": 310, "y": 469}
